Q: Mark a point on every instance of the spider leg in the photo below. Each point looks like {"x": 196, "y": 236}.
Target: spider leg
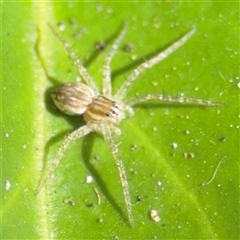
{"x": 107, "y": 87}
{"x": 81, "y": 69}
{"x": 82, "y": 131}
{"x": 106, "y": 131}
{"x": 169, "y": 99}
{"x": 150, "y": 63}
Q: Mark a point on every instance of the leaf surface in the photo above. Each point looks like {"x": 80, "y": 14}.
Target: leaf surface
{"x": 181, "y": 161}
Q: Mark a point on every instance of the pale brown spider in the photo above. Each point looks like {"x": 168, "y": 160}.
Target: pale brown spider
{"x": 102, "y": 112}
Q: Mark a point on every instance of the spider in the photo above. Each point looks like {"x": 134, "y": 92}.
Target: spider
{"x": 103, "y": 111}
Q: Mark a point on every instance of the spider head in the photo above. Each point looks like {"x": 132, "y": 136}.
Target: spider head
{"x": 104, "y": 110}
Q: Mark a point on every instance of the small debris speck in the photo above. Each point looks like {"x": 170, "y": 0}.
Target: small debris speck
{"x": 100, "y": 45}
{"x": 128, "y": 47}
{"x": 187, "y": 132}
{"x": 134, "y": 57}
{"x": 133, "y": 147}
{"x": 166, "y": 76}
{"x": 157, "y": 25}
{"x": 154, "y": 216}
{"x": 139, "y": 199}
{"x": 191, "y": 155}
{"x": 175, "y": 145}
{"x": 222, "y": 139}
{"x": 98, "y": 195}
{"x": 155, "y": 84}
{"x": 7, "y": 185}
{"x": 61, "y": 26}
{"x": 89, "y": 179}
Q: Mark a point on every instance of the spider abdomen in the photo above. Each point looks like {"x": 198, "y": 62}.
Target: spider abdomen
{"x": 72, "y": 98}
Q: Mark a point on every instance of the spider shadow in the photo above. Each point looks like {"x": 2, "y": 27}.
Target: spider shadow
{"x": 144, "y": 58}
{"x": 87, "y": 145}
{"x": 159, "y": 105}
{"x": 97, "y": 52}
{"x": 75, "y": 122}
{"x": 86, "y": 156}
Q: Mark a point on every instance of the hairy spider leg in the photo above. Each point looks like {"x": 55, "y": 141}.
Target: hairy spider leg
{"x": 81, "y": 69}
{"x": 107, "y": 86}
{"x": 150, "y": 63}
{"x": 80, "y": 132}
{"x": 169, "y": 99}
{"x": 106, "y": 131}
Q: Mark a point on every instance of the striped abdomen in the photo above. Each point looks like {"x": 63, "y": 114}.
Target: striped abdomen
{"x": 73, "y": 98}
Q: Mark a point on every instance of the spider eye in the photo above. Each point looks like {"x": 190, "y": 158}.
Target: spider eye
{"x": 111, "y": 113}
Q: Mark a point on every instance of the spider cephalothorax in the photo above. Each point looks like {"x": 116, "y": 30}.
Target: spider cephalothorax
{"x": 102, "y": 111}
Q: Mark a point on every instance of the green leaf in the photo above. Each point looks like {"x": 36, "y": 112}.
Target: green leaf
{"x": 180, "y": 161}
